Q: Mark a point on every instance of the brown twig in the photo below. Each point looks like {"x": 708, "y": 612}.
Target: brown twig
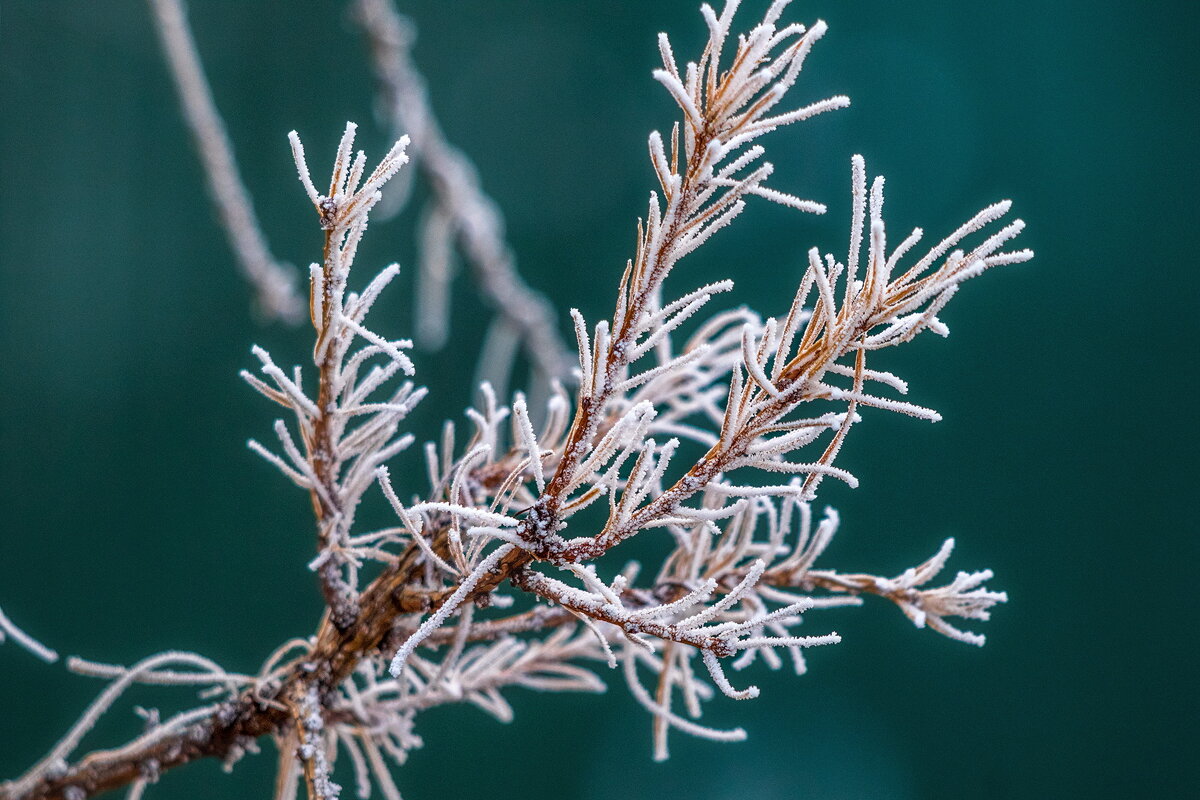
{"x": 340, "y": 597}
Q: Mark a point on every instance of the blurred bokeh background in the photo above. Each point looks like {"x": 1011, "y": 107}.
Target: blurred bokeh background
{"x": 133, "y": 519}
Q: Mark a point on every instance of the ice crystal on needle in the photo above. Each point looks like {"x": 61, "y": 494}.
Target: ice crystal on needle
{"x": 714, "y": 430}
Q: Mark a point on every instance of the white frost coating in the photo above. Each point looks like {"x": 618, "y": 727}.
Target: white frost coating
{"x": 718, "y": 675}
{"x": 529, "y": 440}
{"x": 416, "y": 533}
{"x": 311, "y": 751}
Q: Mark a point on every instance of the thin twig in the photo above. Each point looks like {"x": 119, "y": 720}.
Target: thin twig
{"x": 9, "y": 629}
{"x": 274, "y": 282}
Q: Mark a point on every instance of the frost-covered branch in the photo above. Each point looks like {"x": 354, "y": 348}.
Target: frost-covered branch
{"x": 312, "y": 746}
{"x": 740, "y": 593}
{"x": 347, "y": 431}
{"x": 661, "y": 380}
{"x": 53, "y": 766}
{"x": 705, "y": 180}
{"x": 964, "y": 597}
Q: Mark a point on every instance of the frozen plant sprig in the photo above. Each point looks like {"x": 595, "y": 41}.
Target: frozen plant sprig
{"x": 787, "y": 366}
{"x": 964, "y": 597}
{"x": 759, "y": 397}
{"x": 347, "y": 431}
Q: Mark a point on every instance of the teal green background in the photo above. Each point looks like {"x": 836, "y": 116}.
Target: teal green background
{"x": 133, "y": 519}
